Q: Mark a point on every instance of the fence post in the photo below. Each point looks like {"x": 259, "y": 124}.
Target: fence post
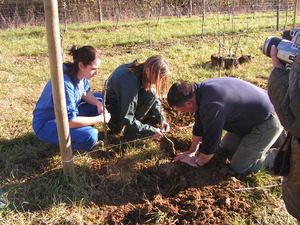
{"x": 100, "y": 11}
{"x": 295, "y": 13}
{"x": 65, "y": 16}
{"x": 190, "y": 8}
{"x": 277, "y": 17}
{"x": 203, "y": 17}
{"x": 54, "y": 49}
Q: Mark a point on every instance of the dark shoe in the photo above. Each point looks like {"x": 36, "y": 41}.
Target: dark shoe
{"x": 129, "y": 136}
{"x": 115, "y": 127}
{"x": 151, "y": 120}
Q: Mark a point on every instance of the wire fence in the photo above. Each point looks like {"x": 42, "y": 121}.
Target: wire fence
{"x": 17, "y": 13}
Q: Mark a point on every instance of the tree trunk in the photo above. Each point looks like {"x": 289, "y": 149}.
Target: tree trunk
{"x": 203, "y": 17}
{"x": 277, "y": 17}
{"x": 191, "y": 8}
{"x": 160, "y": 11}
{"x": 59, "y": 98}
{"x": 119, "y": 13}
{"x": 295, "y": 13}
{"x": 65, "y": 16}
{"x": 100, "y": 11}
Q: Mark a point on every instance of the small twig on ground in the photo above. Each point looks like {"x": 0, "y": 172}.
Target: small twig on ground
{"x": 257, "y": 188}
{"x": 105, "y": 126}
{"x": 188, "y": 126}
{"x": 104, "y": 107}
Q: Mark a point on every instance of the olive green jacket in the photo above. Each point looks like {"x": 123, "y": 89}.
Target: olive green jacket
{"x": 284, "y": 93}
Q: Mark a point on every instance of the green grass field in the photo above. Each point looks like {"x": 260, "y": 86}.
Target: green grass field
{"x": 34, "y": 188}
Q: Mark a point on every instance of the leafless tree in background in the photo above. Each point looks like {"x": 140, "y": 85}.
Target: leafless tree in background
{"x": 295, "y": 13}
{"x": 277, "y": 15}
{"x": 203, "y": 17}
{"x": 100, "y": 11}
{"x": 151, "y": 8}
{"x": 160, "y": 11}
{"x": 65, "y": 16}
{"x": 190, "y": 8}
{"x": 118, "y": 13}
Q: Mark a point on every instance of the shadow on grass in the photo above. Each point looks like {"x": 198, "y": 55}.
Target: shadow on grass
{"x": 134, "y": 187}
{"x": 33, "y": 181}
{"x": 24, "y": 157}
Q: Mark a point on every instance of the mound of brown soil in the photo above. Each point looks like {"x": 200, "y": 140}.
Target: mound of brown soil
{"x": 171, "y": 192}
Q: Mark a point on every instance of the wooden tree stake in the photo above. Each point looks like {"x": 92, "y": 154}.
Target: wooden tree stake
{"x": 54, "y": 48}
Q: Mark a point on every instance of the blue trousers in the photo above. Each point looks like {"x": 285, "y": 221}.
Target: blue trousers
{"x": 82, "y": 138}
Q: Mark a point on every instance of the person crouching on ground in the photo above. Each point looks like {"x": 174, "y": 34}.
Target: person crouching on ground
{"x": 84, "y": 109}
{"x": 131, "y": 98}
{"x": 238, "y": 107}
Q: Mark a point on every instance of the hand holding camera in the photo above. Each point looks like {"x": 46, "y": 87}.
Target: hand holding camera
{"x": 275, "y": 60}
{"x": 287, "y": 50}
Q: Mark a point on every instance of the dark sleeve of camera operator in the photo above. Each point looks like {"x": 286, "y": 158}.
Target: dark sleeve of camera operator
{"x": 284, "y": 93}
{"x": 281, "y": 94}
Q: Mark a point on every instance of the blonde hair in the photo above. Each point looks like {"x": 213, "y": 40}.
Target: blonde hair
{"x": 158, "y": 69}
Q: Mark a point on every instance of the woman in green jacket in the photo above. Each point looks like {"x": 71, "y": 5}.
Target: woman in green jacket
{"x": 132, "y": 97}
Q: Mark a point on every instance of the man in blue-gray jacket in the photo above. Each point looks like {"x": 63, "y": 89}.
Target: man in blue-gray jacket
{"x": 238, "y": 107}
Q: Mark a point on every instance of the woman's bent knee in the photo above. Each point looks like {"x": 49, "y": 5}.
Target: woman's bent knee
{"x": 85, "y": 140}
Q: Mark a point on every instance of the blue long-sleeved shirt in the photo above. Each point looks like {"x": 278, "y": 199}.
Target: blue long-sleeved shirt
{"x": 228, "y": 104}
{"x": 44, "y": 109}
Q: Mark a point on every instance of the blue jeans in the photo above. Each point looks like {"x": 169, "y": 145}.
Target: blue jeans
{"x": 254, "y": 151}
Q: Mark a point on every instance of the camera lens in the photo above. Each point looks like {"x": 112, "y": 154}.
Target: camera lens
{"x": 268, "y": 44}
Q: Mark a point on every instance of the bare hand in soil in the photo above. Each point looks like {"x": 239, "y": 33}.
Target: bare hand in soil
{"x": 165, "y": 126}
{"x": 190, "y": 160}
{"x": 167, "y": 146}
{"x": 183, "y": 155}
{"x": 158, "y": 134}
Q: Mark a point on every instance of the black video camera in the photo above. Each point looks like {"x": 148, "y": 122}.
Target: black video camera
{"x": 287, "y": 49}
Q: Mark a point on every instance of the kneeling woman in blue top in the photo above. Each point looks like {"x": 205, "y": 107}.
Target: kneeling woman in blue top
{"x": 84, "y": 109}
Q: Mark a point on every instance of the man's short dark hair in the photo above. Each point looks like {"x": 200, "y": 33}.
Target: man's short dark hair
{"x": 179, "y": 93}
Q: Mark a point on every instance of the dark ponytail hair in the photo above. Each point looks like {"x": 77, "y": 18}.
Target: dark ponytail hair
{"x": 85, "y": 54}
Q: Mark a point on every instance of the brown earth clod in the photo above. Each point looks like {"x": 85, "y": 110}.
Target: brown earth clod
{"x": 167, "y": 146}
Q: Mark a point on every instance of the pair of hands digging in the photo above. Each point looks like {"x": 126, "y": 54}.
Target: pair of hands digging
{"x": 167, "y": 146}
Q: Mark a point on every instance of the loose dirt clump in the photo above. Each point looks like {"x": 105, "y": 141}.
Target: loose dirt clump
{"x": 167, "y": 146}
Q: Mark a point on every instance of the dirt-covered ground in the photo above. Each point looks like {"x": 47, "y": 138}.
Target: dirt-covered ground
{"x": 170, "y": 193}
